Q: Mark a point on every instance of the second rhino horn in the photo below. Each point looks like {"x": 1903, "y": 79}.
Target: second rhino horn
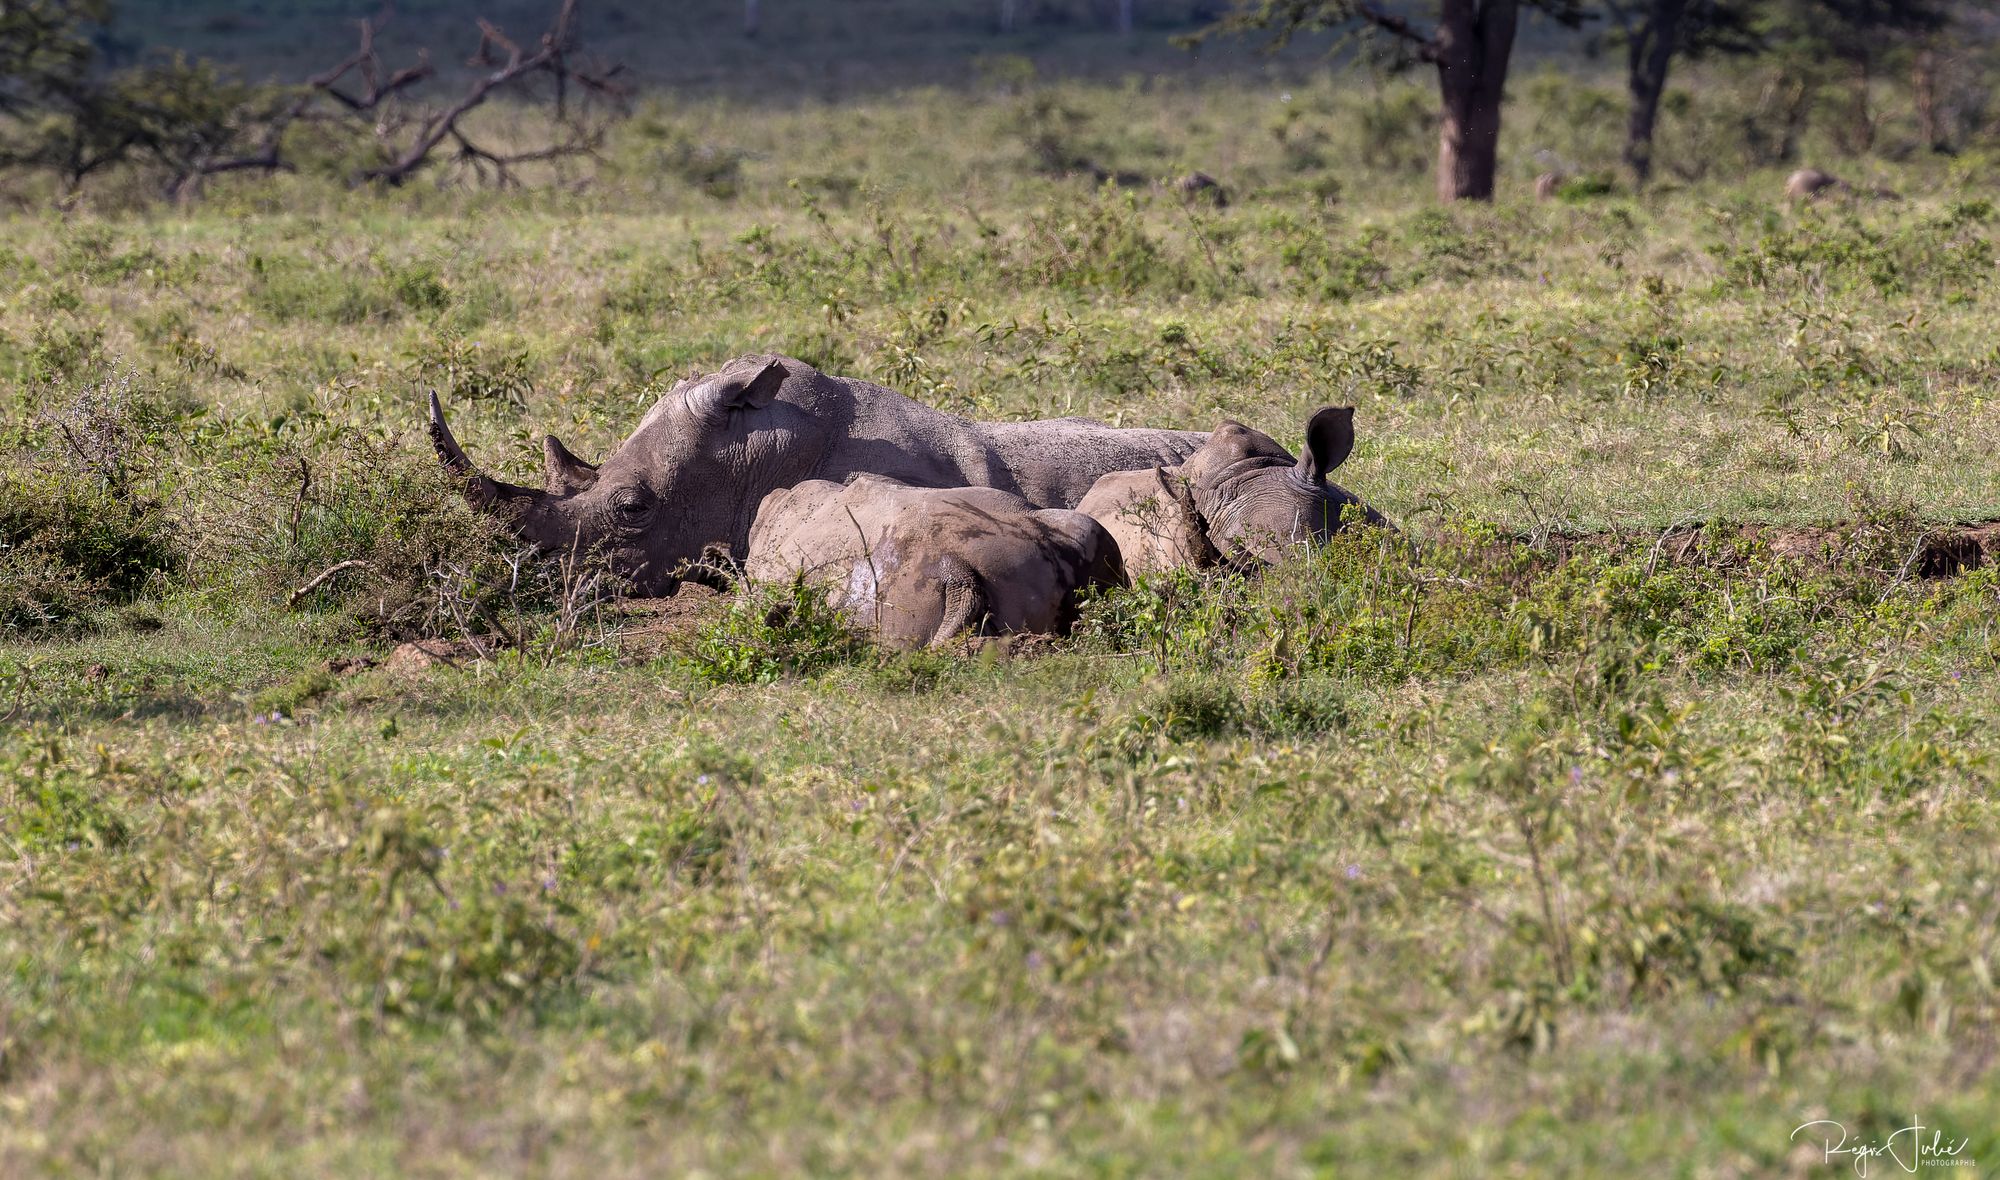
{"x": 566, "y": 474}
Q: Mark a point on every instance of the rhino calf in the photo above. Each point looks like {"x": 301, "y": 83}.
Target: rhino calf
{"x": 919, "y": 566}
{"x": 1240, "y": 499}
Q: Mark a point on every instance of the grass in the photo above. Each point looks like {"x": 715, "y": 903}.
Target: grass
{"x": 1449, "y": 853}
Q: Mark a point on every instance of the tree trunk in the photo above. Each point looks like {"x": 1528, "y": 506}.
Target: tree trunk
{"x": 1864, "y": 111}
{"x": 1124, "y": 18}
{"x": 1923, "y": 80}
{"x": 1647, "y": 60}
{"x": 1798, "y": 108}
{"x": 752, "y": 17}
{"x": 1006, "y": 16}
{"x": 1474, "y": 40}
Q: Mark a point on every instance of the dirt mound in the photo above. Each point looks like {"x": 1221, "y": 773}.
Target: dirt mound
{"x": 1931, "y": 551}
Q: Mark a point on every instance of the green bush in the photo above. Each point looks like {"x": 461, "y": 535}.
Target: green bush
{"x": 770, "y": 632}
{"x": 71, "y": 543}
{"x": 428, "y": 565}
{"x": 469, "y": 370}
{"x": 1100, "y": 244}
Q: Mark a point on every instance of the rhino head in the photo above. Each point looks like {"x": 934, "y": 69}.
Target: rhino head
{"x": 1255, "y": 501}
{"x": 690, "y": 477}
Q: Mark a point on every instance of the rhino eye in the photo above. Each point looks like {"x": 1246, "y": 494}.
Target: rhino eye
{"x": 630, "y": 506}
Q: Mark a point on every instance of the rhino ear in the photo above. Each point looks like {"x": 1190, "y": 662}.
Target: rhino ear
{"x": 1329, "y": 440}
{"x": 745, "y": 388}
{"x": 566, "y": 474}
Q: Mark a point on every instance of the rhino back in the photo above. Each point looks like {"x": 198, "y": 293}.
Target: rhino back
{"x": 808, "y": 527}
{"x": 1054, "y": 462}
{"x": 868, "y": 429}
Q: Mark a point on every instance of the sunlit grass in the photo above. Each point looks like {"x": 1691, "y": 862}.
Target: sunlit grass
{"x": 1440, "y": 853}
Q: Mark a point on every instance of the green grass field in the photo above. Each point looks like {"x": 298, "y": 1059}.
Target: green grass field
{"x": 1479, "y": 852}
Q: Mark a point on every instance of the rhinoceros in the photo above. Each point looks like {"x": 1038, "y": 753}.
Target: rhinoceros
{"x": 1240, "y": 499}
{"x": 705, "y": 456}
{"x": 919, "y": 566}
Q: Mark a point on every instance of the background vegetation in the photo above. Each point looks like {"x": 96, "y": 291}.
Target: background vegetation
{"x": 1533, "y": 841}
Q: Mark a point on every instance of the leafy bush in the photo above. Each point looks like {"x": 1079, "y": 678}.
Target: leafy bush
{"x": 57, "y": 811}
{"x": 61, "y": 352}
{"x": 415, "y": 952}
{"x": 69, "y": 545}
{"x": 770, "y": 632}
{"x": 1948, "y": 254}
{"x": 463, "y": 370}
{"x": 1100, "y": 244}
{"x": 1187, "y": 708}
{"x": 82, "y": 522}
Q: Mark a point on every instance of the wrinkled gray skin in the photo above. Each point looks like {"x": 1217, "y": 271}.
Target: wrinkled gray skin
{"x": 1240, "y": 500}
{"x": 920, "y": 566}
{"x": 703, "y": 458}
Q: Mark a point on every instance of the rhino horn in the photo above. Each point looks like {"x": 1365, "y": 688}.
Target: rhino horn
{"x": 481, "y": 490}
{"x": 567, "y": 474}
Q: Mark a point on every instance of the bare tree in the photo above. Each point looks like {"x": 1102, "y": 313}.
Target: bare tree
{"x": 187, "y": 120}
{"x": 551, "y": 59}
{"x": 753, "y": 17}
{"x": 410, "y": 138}
{"x": 1923, "y": 84}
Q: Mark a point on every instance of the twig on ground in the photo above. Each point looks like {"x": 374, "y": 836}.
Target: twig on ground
{"x": 325, "y": 576}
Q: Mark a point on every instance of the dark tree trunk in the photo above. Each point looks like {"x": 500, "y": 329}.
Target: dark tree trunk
{"x": 1474, "y": 40}
{"x": 1864, "y": 110}
{"x": 1796, "y": 95}
{"x": 1650, "y": 54}
{"x": 1923, "y": 81}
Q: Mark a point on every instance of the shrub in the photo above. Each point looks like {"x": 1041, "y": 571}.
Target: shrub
{"x": 1100, "y": 245}
{"x": 82, "y": 524}
{"x": 415, "y": 559}
{"x": 1190, "y": 708}
{"x": 291, "y": 289}
{"x": 470, "y": 371}
{"x": 769, "y": 632}
{"x": 68, "y": 545}
{"x": 61, "y": 352}
{"x": 58, "y": 812}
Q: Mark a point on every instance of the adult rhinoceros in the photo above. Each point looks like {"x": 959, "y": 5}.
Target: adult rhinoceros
{"x": 704, "y": 457}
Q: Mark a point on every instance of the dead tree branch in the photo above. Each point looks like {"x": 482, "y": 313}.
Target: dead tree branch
{"x": 360, "y": 86}
{"x": 550, "y": 57}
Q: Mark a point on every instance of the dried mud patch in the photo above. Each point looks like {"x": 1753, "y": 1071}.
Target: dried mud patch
{"x": 650, "y": 626}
